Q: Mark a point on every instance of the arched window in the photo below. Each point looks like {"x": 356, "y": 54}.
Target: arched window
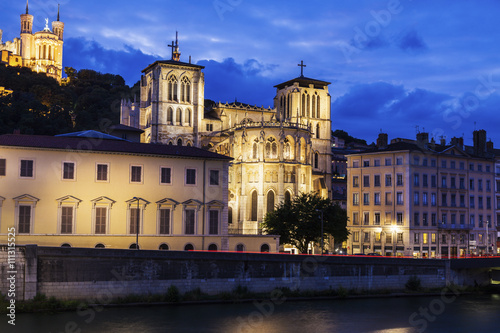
{"x": 288, "y": 196}
{"x": 270, "y": 201}
{"x": 163, "y": 246}
{"x": 134, "y": 246}
{"x": 274, "y": 150}
{"x": 317, "y": 131}
{"x": 172, "y": 88}
{"x": 188, "y": 117}
{"x": 240, "y": 247}
{"x": 253, "y": 210}
{"x": 308, "y": 106}
{"x": 268, "y": 149}
{"x": 170, "y": 115}
{"x": 212, "y": 247}
{"x": 303, "y": 105}
{"x": 264, "y": 248}
{"x": 185, "y": 90}
{"x": 316, "y": 160}
{"x": 170, "y": 143}
{"x": 178, "y": 116}
{"x": 287, "y": 149}
{"x": 189, "y": 247}
{"x": 313, "y": 115}
{"x": 230, "y": 215}
{"x": 255, "y": 150}
{"x": 65, "y": 245}
{"x": 289, "y": 105}
{"x": 188, "y": 144}
{"x": 179, "y": 142}
{"x": 318, "y": 114}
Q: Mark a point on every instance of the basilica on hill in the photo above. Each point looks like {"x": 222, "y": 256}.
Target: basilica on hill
{"x": 277, "y": 152}
{"x": 41, "y": 51}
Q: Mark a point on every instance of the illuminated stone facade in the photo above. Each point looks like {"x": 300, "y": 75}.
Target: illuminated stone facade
{"x": 41, "y": 51}
{"x": 278, "y": 152}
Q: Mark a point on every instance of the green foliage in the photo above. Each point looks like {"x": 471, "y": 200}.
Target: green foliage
{"x": 342, "y": 292}
{"x": 346, "y": 137}
{"x": 298, "y": 221}
{"x": 413, "y": 283}
{"x": 39, "y": 105}
{"x": 173, "y": 294}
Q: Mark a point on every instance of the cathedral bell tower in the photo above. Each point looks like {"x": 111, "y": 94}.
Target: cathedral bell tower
{"x": 58, "y": 26}
{"x": 26, "y": 22}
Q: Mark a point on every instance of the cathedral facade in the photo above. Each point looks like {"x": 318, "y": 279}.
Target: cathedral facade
{"x": 41, "y": 51}
{"x": 277, "y": 152}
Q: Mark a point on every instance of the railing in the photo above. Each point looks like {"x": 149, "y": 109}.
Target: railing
{"x": 454, "y": 226}
{"x": 275, "y": 124}
{"x": 245, "y": 231}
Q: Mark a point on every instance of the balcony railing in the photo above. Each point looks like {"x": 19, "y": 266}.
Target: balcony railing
{"x": 450, "y": 226}
{"x": 244, "y": 231}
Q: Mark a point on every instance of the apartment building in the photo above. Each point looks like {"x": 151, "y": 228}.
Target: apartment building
{"x": 422, "y": 199}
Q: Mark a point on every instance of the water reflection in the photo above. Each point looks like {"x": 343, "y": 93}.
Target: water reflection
{"x": 383, "y": 315}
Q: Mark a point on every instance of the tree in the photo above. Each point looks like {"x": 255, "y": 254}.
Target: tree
{"x": 298, "y": 222}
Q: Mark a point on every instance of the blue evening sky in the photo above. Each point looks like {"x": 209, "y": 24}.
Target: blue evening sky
{"x": 394, "y": 64}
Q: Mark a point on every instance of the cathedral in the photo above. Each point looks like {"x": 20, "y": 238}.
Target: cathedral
{"x": 41, "y": 51}
{"x": 277, "y": 152}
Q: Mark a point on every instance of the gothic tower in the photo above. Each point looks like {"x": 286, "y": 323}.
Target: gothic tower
{"x": 26, "y": 32}
{"x": 172, "y": 101}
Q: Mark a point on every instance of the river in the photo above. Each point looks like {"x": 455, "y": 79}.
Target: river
{"x": 465, "y": 313}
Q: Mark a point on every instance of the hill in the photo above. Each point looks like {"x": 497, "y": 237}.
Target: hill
{"x": 39, "y": 105}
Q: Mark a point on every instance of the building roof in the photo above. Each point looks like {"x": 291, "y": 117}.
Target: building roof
{"x": 172, "y": 62}
{"x": 121, "y": 127}
{"x": 303, "y": 82}
{"x": 90, "y": 134}
{"x": 86, "y": 144}
{"x": 429, "y": 148}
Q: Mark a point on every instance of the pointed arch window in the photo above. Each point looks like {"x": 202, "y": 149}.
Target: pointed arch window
{"x": 270, "y": 201}
{"x": 288, "y": 196}
{"x": 289, "y": 106}
{"x": 170, "y": 115}
{"x": 188, "y": 117}
{"x": 303, "y": 105}
{"x": 179, "y": 142}
{"x": 318, "y": 114}
{"x": 172, "y": 88}
{"x": 316, "y": 160}
{"x": 253, "y": 210}
{"x": 255, "y": 149}
{"x": 317, "y": 131}
{"x": 308, "y": 106}
{"x": 178, "y": 116}
{"x": 313, "y": 115}
{"x": 185, "y": 90}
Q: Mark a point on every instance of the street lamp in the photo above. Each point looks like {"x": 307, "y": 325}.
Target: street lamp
{"x": 322, "y": 238}
{"x": 137, "y": 225}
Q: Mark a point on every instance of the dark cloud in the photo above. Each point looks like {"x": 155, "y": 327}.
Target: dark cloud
{"x": 80, "y": 53}
{"x": 366, "y": 99}
{"x": 227, "y": 80}
{"x": 412, "y": 41}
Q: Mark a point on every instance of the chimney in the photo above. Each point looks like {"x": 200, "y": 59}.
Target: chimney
{"x": 442, "y": 142}
{"x": 479, "y": 138}
{"x": 423, "y": 138}
{"x": 489, "y": 146}
{"x": 459, "y": 142}
{"x": 382, "y": 140}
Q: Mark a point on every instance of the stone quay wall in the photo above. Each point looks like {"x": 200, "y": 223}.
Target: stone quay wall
{"x": 104, "y": 274}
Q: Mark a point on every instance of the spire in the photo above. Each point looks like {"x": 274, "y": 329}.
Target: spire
{"x": 176, "y": 55}
{"x": 27, "y": 7}
{"x": 58, "y": 7}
